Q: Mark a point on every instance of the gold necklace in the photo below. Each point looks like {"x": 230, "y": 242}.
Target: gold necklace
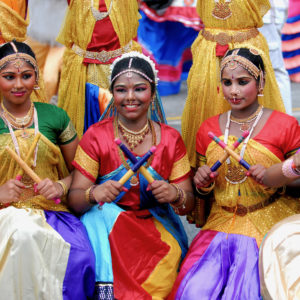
{"x": 134, "y": 179}
{"x": 245, "y": 123}
{"x": 222, "y": 10}
{"x": 133, "y": 138}
{"x": 19, "y": 123}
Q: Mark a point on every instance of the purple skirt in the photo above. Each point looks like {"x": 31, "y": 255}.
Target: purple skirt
{"x": 79, "y": 279}
{"x": 219, "y": 266}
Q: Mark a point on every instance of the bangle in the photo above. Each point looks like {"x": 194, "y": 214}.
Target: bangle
{"x": 89, "y": 197}
{"x": 178, "y": 193}
{"x": 64, "y": 187}
{"x": 287, "y": 169}
{"x": 180, "y": 201}
{"x": 206, "y": 190}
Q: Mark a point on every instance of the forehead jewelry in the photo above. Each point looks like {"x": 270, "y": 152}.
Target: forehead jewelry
{"x": 129, "y": 73}
{"x": 18, "y": 59}
{"x": 132, "y": 55}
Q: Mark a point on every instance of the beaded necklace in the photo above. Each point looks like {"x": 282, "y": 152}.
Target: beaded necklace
{"x": 245, "y": 123}
{"x": 134, "y": 179}
{"x": 19, "y": 123}
{"x": 236, "y": 175}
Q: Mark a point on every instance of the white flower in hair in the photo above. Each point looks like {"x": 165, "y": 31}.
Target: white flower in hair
{"x": 133, "y": 54}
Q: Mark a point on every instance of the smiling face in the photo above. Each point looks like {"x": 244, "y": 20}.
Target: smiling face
{"x": 16, "y": 84}
{"x": 240, "y": 89}
{"x": 132, "y": 96}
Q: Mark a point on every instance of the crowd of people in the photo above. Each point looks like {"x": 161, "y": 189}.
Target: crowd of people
{"x": 92, "y": 187}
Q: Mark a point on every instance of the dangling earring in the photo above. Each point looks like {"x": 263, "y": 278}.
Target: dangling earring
{"x": 36, "y": 87}
{"x": 261, "y": 84}
{"x": 153, "y": 104}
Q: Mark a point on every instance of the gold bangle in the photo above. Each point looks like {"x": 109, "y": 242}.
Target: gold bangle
{"x": 178, "y": 193}
{"x": 89, "y": 197}
{"x": 206, "y": 190}
{"x": 64, "y": 187}
{"x": 182, "y": 203}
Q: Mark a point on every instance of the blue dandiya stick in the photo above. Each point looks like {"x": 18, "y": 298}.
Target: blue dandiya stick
{"x": 138, "y": 165}
{"x": 219, "y": 162}
{"x": 237, "y": 157}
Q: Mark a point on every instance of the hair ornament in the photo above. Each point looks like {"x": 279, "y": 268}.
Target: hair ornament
{"x": 234, "y": 59}
{"x": 132, "y": 55}
{"x": 18, "y": 60}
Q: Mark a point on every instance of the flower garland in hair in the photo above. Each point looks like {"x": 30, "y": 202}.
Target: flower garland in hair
{"x": 134, "y": 54}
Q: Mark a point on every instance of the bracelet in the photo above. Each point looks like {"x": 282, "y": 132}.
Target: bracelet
{"x": 182, "y": 204}
{"x": 287, "y": 169}
{"x": 178, "y": 193}
{"x": 64, "y": 187}
{"x": 206, "y": 190}
{"x": 180, "y": 201}
{"x": 89, "y": 197}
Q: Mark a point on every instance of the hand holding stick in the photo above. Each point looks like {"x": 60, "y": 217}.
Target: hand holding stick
{"x": 27, "y": 169}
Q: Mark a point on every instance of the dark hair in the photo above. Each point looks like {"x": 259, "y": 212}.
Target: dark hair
{"x": 252, "y": 55}
{"x": 138, "y": 64}
{"x": 7, "y": 49}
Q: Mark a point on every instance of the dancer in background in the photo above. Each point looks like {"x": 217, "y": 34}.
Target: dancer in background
{"x": 222, "y": 262}
{"x": 46, "y": 18}
{"x": 166, "y": 33}
{"x": 291, "y": 41}
{"x": 227, "y": 24}
{"x": 274, "y": 20}
{"x": 137, "y": 237}
{"x": 95, "y": 33}
{"x": 44, "y": 249}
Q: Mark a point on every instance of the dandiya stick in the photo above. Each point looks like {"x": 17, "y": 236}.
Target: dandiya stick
{"x": 29, "y": 154}
{"x": 134, "y": 160}
{"x": 237, "y": 157}
{"x": 219, "y": 162}
{"x": 50, "y": 144}
{"x": 27, "y": 169}
{"x": 137, "y": 166}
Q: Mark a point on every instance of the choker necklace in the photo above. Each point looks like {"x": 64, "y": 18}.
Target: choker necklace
{"x": 134, "y": 179}
{"x": 18, "y": 123}
{"x": 133, "y": 138}
{"x": 236, "y": 174}
{"x": 245, "y": 123}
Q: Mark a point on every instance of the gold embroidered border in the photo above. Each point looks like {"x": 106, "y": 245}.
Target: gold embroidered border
{"x": 102, "y": 56}
{"x": 86, "y": 162}
{"x": 180, "y": 168}
{"x": 223, "y": 38}
{"x": 68, "y": 133}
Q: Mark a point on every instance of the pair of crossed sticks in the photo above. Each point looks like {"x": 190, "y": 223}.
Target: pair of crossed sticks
{"x": 137, "y": 164}
{"x": 229, "y": 151}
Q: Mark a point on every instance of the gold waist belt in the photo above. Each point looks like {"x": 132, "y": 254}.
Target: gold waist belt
{"x": 102, "y": 56}
{"x": 223, "y": 38}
